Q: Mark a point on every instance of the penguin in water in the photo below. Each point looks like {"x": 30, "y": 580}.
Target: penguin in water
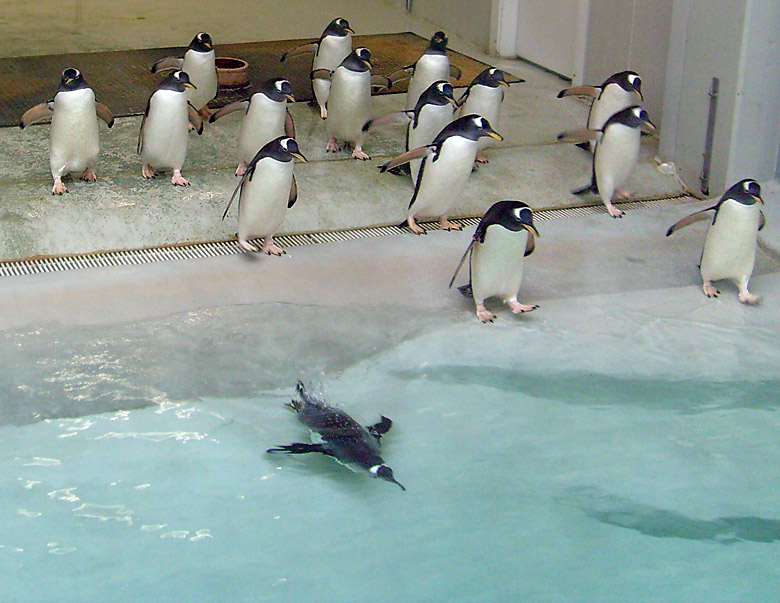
{"x": 446, "y": 165}
{"x": 266, "y": 191}
{"x": 505, "y": 235}
{"x": 617, "y": 149}
{"x": 336, "y": 434}
{"x": 74, "y": 142}
{"x": 330, "y": 50}
{"x": 484, "y": 97}
{"x": 199, "y": 62}
{"x": 164, "y": 136}
{"x": 618, "y": 92}
{"x": 265, "y": 117}
{"x": 432, "y": 66}
{"x": 730, "y": 245}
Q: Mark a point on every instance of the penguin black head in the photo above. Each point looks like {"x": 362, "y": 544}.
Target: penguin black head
{"x": 358, "y": 60}
{"x": 512, "y": 215}
{"x": 628, "y": 80}
{"x": 438, "y": 44}
{"x": 438, "y": 93}
{"x": 746, "y": 192}
{"x": 277, "y": 89}
{"x": 491, "y": 77}
{"x": 201, "y": 43}
{"x": 71, "y": 80}
{"x": 471, "y": 126}
{"x": 384, "y": 472}
{"x": 178, "y": 81}
{"x": 283, "y": 149}
{"x": 633, "y": 117}
{"x": 338, "y": 27}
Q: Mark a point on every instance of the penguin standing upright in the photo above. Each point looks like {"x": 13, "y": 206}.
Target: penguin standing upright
{"x": 618, "y": 92}
{"x": 334, "y": 433}
{"x": 164, "y": 136}
{"x": 730, "y": 245}
{"x": 265, "y": 117}
{"x": 330, "y": 50}
{"x": 266, "y": 191}
{"x": 617, "y": 149}
{"x": 74, "y": 142}
{"x": 199, "y": 63}
{"x": 484, "y": 97}
{"x": 504, "y": 236}
{"x": 446, "y": 165}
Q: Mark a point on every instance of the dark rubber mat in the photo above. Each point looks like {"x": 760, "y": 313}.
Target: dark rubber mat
{"x": 122, "y": 79}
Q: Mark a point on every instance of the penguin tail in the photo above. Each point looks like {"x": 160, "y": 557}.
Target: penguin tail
{"x": 585, "y": 146}
{"x": 591, "y": 188}
{"x": 401, "y": 170}
{"x": 466, "y": 290}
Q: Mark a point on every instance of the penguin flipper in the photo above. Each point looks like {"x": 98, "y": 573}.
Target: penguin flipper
{"x": 396, "y": 118}
{"x": 579, "y": 135}
{"x": 321, "y": 74}
{"x": 593, "y": 91}
{"x": 195, "y": 119}
{"x": 380, "y": 82}
{"x": 300, "y": 50}
{"x": 530, "y": 245}
{"x": 293, "y": 193}
{"x": 104, "y": 113}
{"x": 463, "y": 97}
{"x": 250, "y": 170}
{"x": 37, "y": 113}
{"x": 399, "y": 75}
{"x": 455, "y": 72}
{"x": 761, "y": 220}
{"x": 167, "y": 64}
{"x": 687, "y": 220}
{"x": 466, "y": 290}
{"x": 463, "y": 261}
{"x": 299, "y": 448}
{"x": 289, "y": 124}
{"x": 406, "y": 158}
{"x": 230, "y": 108}
{"x": 379, "y": 429}
{"x": 140, "y": 146}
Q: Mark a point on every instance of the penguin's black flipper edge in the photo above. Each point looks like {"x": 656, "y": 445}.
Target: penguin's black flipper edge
{"x": 405, "y": 158}
{"x": 379, "y": 429}
{"x": 530, "y": 245}
{"x": 298, "y": 448}
{"x": 592, "y": 91}
{"x": 380, "y": 82}
{"x": 37, "y": 113}
{"x": 761, "y": 220}
{"x": 104, "y": 113}
{"x": 168, "y": 64}
{"x": 466, "y": 290}
{"x": 229, "y": 108}
{"x": 463, "y": 261}
{"x": 591, "y": 188}
{"x": 579, "y": 135}
{"x": 687, "y": 220}
{"x": 300, "y": 50}
{"x": 396, "y": 118}
{"x": 293, "y": 193}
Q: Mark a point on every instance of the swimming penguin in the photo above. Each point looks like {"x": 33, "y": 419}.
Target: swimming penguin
{"x": 618, "y": 92}
{"x": 432, "y": 66}
{"x": 265, "y": 117}
{"x": 446, "y": 165}
{"x": 74, "y": 137}
{"x": 730, "y": 246}
{"x": 617, "y": 149}
{"x": 334, "y": 46}
{"x": 504, "y": 236}
{"x": 199, "y": 63}
{"x": 164, "y": 136}
{"x": 484, "y": 97}
{"x": 266, "y": 191}
{"x": 336, "y": 434}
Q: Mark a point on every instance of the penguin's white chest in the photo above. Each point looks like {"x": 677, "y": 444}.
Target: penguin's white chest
{"x": 428, "y": 69}
{"x": 485, "y": 101}
{"x": 616, "y": 155}
{"x": 263, "y": 201}
{"x": 74, "y": 138}
{"x": 349, "y": 104}
{"x": 430, "y": 122}
{"x": 331, "y": 51}
{"x": 730, "y": 245}
{"x": 166, "y": 131}
{"x": 441, "y": 182}
{"x": 611, "y": 100}
{"x": 497, "y": 264}
{"x": 263, "y": 122}
{"x": 202, "y": 69}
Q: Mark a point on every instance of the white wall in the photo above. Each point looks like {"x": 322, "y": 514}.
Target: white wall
{"x": 468, "y": 19}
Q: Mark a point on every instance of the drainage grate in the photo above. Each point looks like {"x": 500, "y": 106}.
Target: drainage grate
{"x": 133, "y": 257}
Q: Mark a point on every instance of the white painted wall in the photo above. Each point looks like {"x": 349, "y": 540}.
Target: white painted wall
{"x": 468, "y": 19}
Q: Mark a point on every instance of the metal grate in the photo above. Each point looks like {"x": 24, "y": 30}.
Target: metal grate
{"x": 134, "y": 257}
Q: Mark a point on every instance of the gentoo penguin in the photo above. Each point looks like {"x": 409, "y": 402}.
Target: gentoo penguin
{"x": 265, "y": 117}
{"x": 504, "y": 236}
{"x": 484, "y": 97}
{"x": 730, "y": 246}
{"x": 334, "y": 46}
{"x": 446, "y": 165}
{"x": 617, "y": 149}
{"x": 199, "y": 63}
{"x": 335, "y": 433}
{"x": 432, "y": 66}
{"x": 266, "y": 191}
{"x": 618, "y": 92}
{"x": 74, "y": 138}
{"x": 162, "y": 142}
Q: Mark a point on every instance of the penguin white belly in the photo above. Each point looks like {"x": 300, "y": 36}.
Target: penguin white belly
{"x": 485, "y": 101}
{"x": 612, "y": 100}
{"x": 615, "y": 157}
{"x": 263, "y": 202}
{"x": 74, "y": 138}
{"x": 497, "y": 264}
{"x": 263, "y": 122}
{"x": 166, "y": 131}
{"x": 332, "y": 50}
{"x": 202, "y": 70}
{"x": 730, "y": 245}
{"x": 432, "y": 120}
{"x": 349, "y": 104}
{"x": 428, "y": 69}
{"x": 443, "y": 180}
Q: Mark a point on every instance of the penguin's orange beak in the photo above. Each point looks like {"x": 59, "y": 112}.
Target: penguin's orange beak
{"x": 290, "y": 97}
{"x": 649, "y": 127}
{"x": 503, "y": 83}
{"x": 758, "y": 199}
{"x": 299, "y": 157}
{"x": 190, "y": 85}
{"x": 494, "y": 134}
{"x": 452, "y": 101}
{"x": 349, "y": 29}
{"x": 532, "y": 229}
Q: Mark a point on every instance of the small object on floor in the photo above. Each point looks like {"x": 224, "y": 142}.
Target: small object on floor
{"x": 730, "y": 245}
{"x": 504, "y": 237}
{"x": 74, "y": 139}
{"x": 334, "y": 433}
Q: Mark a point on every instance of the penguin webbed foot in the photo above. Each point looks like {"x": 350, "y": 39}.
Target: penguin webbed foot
{"x": 332, "y": 146}
{"x": 518, "y": 308}
{"x": 748, "y": 298}
{"x": 709, "y": 289}
{"x": 359, "y": 153}
{"x": 178, "y": 180}
{"x": 484, "y": 314}
{"x": 59, "y": 188}
{"x": 379, "y": 429}
{"x": 614, "y": 211}
{"x": 88, "y": 175}
{"x": 297, "y": 448}
{"x": 445, "y": 224}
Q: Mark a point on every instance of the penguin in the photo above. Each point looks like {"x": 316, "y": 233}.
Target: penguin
{"x": 617, "y": 149}
{"x": 618, "y": 92}
{"x": 265, "y": 117}
{"x": 164, "y": 135}
{"x": 266, "y": 191}
{"x": 199, "y": 63}
{"x": 74, "y": 142}
{"x": 505, "y": 235}
{"x": 484, "y": 97}
{"x": 334, "y": 433}
{"x": 330, "y": 50}
{"x": 446, "y": 165}
{"x": 432, "y": 66}
{"x": 730, "y": 245}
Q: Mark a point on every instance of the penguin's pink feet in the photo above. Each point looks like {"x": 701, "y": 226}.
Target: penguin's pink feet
{"x": 178, "y": 180}
{"x": 484, "y": 314}
{"x": 359, "y": 153}
{"x": 89, "y": 175}
{"x": 147, "y": 171}
{"x": 241, "y": 169}
{"x": 481, "y": 158}
{"x": 622, "y": 194}
{"x": 204, "y": 113}
{"x": 709, "y": 289}
{"x": 247, "y": 245}
{"x": 323, "y": 112}
{"x": 746, "y": 297}
{"x": 613, "y": 211}
{"x": 518, "y": 308}
{"x": 447, "y": 225}
{"x": 271, "y": 248}
{"x": 58, "y": 188}
{"x": 332, "y": 146}
{"x": 414, "y": 227}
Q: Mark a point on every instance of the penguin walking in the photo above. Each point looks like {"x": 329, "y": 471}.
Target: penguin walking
{"x": 74, "y": 141}
{"x": 164, "y": 136}
{"x": 617, "y": 149}
{"x": 330, "y": 50}
{"x": 265, "y": 193}
{"x": 484, "y": 97}
{"x": 618, "y": 92}
{"x": 199, "y": 63}
{"x": 334, "y": 433}
{"x": 730, "y": 245}
{"x": 265, "y": 117}
{"x": 446, "y": 165}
